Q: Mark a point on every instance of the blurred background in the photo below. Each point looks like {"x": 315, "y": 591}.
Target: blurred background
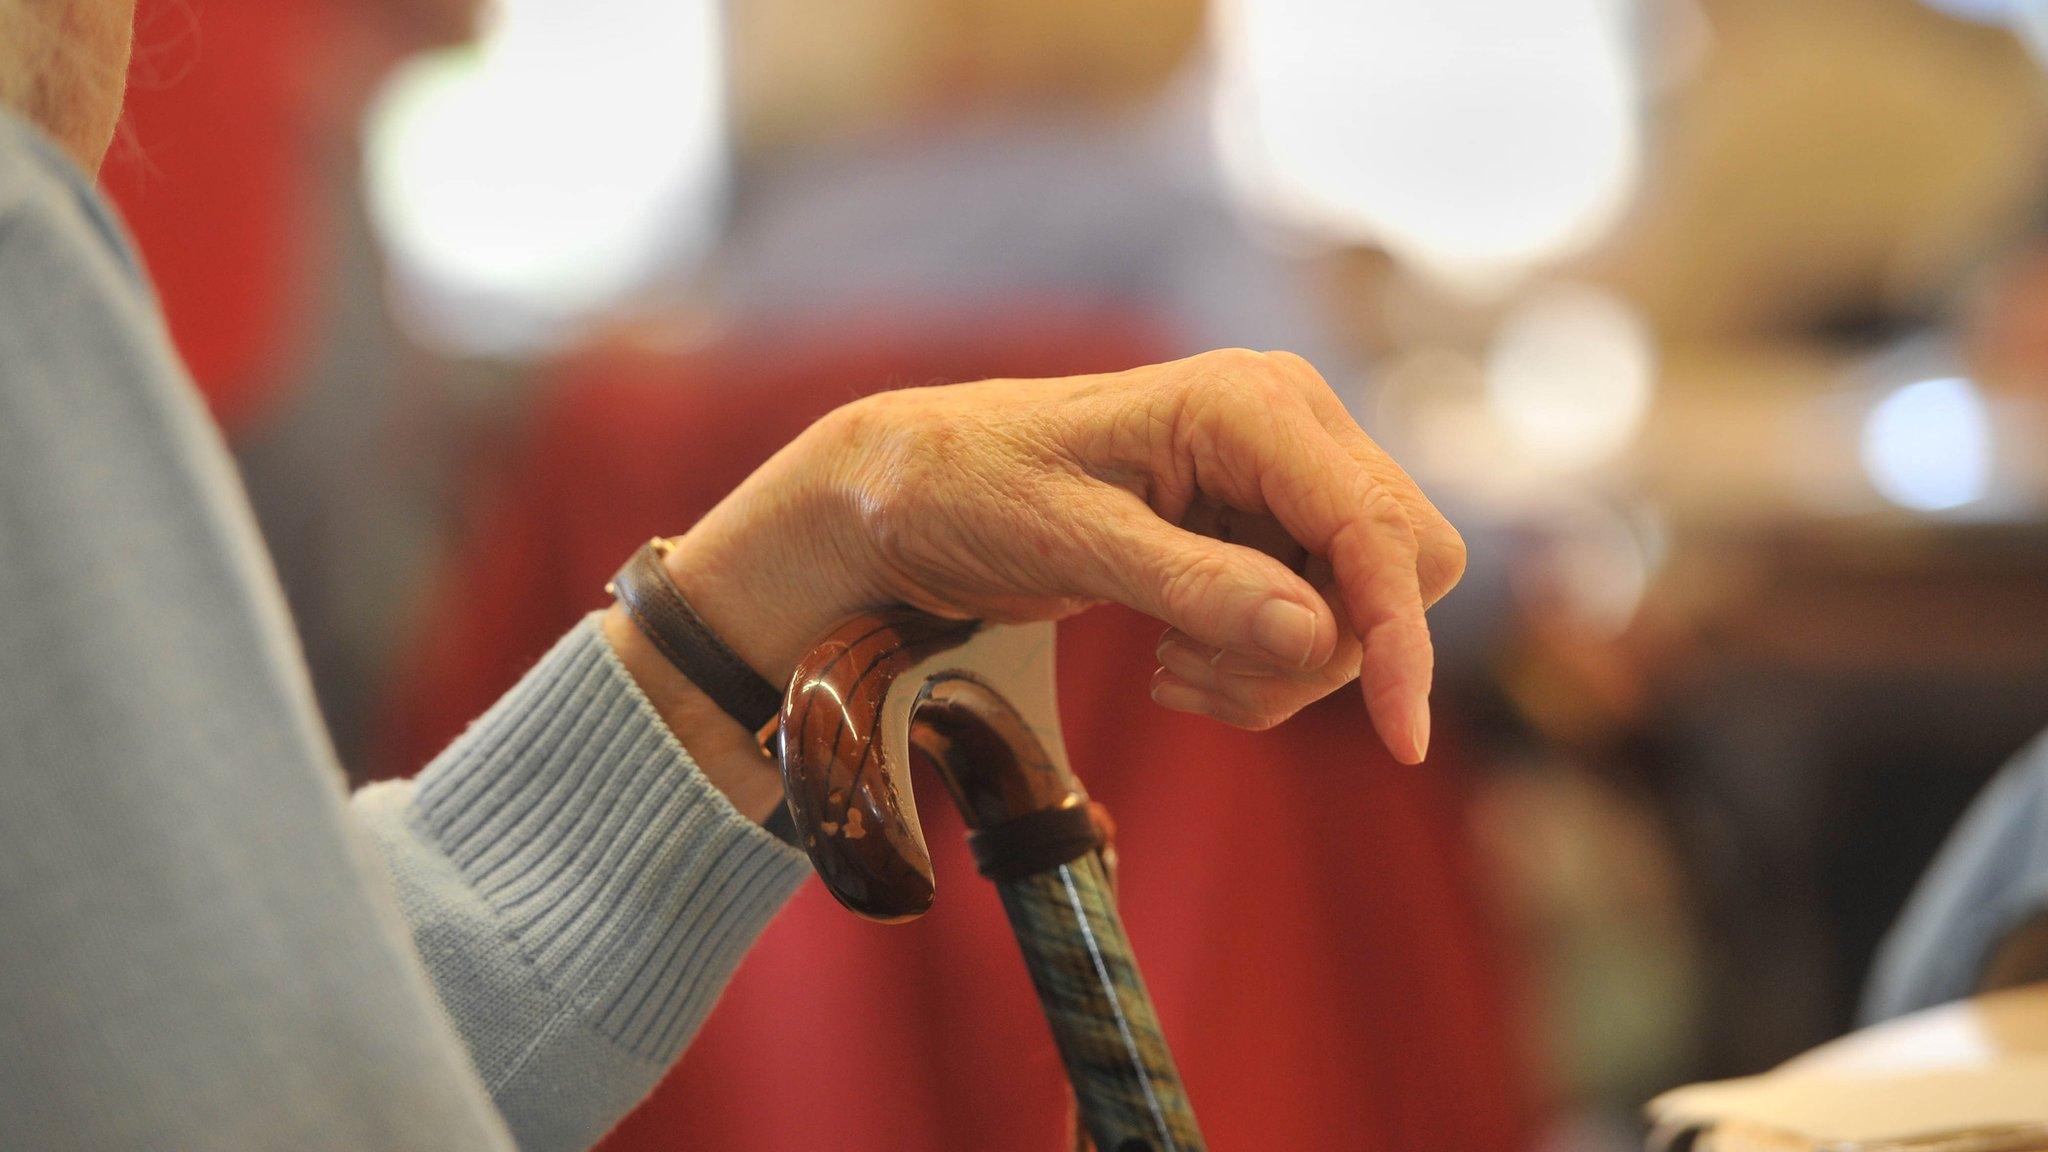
{"x": 1719, "y": 326}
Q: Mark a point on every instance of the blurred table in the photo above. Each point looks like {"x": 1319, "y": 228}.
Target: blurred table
{"x": 1966, "y": 1077}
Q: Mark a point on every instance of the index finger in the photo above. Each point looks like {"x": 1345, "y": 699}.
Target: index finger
{"x": 1440, "y": 550}
{"x": 1337, "y": 508}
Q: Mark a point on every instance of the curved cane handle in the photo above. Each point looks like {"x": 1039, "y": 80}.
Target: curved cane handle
{"x": 847, "y": 729}
{"x": 979, "y": 701}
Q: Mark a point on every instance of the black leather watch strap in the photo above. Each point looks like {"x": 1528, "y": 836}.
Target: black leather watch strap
{"x": 657, "y": 607}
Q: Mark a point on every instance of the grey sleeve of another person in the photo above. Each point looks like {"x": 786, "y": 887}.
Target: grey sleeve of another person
{"x": 205, "y": 943}
{"x": 1990, "y": 878}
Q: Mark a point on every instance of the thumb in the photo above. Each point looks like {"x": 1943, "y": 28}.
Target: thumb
{"x": 1225, "y": 595}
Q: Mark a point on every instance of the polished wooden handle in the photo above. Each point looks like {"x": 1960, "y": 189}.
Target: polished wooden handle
{"x": 846, "y": 784}
{"x": 979, "y": 702}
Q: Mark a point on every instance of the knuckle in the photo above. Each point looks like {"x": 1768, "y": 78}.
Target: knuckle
{"x": 892, "y": 501}
{"x": 1294, "y": 364}
{"x": 1239, "y": 373}
{"x": 1384, "y": 509}
{"x": 1442, "y": 562}
{"x": 1190, "y": 585}
{"x": 1389, "y": 520}
{"x": 1236, "y": 361}
{"x": 889, "y": 526}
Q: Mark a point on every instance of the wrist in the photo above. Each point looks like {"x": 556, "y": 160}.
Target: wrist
{"x": 783, "y": 558}
{"x": 779, "y": 562}
{"x": 726, "y": 753}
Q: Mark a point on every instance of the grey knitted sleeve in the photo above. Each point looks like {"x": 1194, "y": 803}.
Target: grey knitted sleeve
{"x": 579, "y": 892}
{"x": 200, "y": 946}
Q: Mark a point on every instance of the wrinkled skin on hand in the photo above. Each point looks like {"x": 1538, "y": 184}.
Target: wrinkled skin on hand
{"x": 1229, "y": 495}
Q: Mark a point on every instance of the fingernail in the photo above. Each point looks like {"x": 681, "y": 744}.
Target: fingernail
{"x": 1418, "y": 732}
{"x": 1179, "y": 697}
{"x": 1285, "y": 629}
{"x": 1187, "y": 664}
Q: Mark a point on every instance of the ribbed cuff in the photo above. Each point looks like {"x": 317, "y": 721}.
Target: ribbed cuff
{"x": 630, "y": 882}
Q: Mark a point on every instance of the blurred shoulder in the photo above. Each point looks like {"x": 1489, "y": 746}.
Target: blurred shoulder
{"x": 49, "y": 206}
{"x": 94, "y": 403}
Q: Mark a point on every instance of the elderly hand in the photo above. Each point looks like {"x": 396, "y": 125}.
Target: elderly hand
{"x": 1229, "y": 495}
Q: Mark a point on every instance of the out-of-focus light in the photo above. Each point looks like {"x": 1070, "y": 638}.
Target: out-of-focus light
{"x": 1979, "y": 11}
{"x": 1469, "y": 137}
{"x": 1596, "y": 564}
{"x": 1927, "y": 446}
{"x": 1569, "y": 377}
{"x": 530, "y": 179}
{"x": 2030, "y": 18}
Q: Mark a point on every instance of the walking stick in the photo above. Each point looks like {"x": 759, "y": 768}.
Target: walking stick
{"x": 979, "y": 701}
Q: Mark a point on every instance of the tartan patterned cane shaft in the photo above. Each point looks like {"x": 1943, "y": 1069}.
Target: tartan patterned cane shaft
{"x": 1102, "y": 1019}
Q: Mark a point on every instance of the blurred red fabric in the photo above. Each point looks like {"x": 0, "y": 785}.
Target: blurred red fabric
{"x": 215, "y": 171}
{"x": 1305, "y": 909}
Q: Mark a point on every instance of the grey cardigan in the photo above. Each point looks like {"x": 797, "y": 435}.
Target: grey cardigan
{"x": 205, "y": 942}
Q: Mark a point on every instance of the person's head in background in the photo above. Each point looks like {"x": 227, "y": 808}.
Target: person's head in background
{"x": 64, "y": 65}
{"x": 804, "y": 75}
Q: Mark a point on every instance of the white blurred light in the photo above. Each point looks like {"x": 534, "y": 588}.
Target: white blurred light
{"x": 1598, "y": 564}
{"x": 2030, "y": 19}
{"x": 1569, "y": 377}
{"x": 1980, "y": 11}
{"x": 1927, "y": 446}
{"x": 526, "y": 181}
{"x": 1470, "y": 137}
